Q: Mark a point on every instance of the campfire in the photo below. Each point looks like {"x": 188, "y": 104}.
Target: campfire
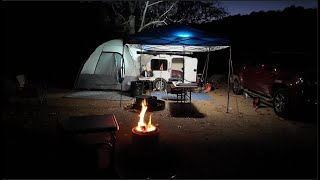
{"x": 144, "y": 128}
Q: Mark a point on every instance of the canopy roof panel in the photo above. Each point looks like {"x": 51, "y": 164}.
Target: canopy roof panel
{"x": 177, "y": 35}
{"x": 177, "y": 48}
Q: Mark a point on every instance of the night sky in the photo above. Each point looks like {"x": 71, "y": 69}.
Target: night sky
{"x": 51, "y": 40}
{"x": 246, "y": 7}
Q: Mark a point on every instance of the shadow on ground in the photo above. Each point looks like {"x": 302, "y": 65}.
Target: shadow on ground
{"x": 184, "y": 110}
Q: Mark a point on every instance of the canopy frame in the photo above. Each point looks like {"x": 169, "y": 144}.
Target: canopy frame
{"x": 177, "y": 38}
{"x": 152, "y": 49}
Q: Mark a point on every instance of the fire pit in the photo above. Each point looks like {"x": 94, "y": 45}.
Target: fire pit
{"x": 152, "y": 102}
{"x": 145, "y": 132}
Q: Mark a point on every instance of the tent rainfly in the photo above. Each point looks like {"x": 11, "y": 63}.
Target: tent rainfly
{"x": 108, "y": 67}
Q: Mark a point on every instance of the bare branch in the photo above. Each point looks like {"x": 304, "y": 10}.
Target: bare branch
{"x": 150, "y": 23}
{"x": 154, "y": 3}
{"x": 168, "y": 10}
{"x": 125, "y": 22}
{"x": 180, "y": 20}
{"x": 118, "y": 13}
{"x": 175, "y": 20}
{"x": 144, "y": 14}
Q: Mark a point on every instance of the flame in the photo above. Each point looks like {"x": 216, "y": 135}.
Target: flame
{"x": 142, "y": 126}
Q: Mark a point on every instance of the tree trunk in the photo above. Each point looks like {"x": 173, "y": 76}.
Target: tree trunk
{"x": 132, "y": 17}
{"x": 132, "y": 24}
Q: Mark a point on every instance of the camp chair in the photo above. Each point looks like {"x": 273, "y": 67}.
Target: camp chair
{"x": 31, "y": 92}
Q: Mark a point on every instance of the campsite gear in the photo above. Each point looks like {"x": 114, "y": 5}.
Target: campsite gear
{"x": 102, "y": 95}
{"x": 256, "y": 102}
{"x": 32, "y": 92}
{"x": 115, "y": 59}
{"x": 136, "y": 88}
{"x": 151, "y": 101}
{"x": 198, "y": 81}
{"x": 207, "y": 87}
{"x": 105, "y": 67}
{"x": 95, "y": 135}
{"x": 21, "y": 81}
{"x": 147, "y": 73}
{"x": 146, "y": 139}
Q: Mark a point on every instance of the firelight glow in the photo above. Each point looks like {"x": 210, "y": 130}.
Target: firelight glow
{"x": 142, "y": 126}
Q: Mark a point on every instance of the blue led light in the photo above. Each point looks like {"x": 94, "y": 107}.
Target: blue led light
{"x": 183, "y": 34}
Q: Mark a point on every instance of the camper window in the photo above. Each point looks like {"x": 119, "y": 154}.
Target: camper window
{"x": 156, "y": 64}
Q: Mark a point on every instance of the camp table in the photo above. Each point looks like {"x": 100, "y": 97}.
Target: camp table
{"x": 97, "y": 130}
{"x": 182, "y": 90}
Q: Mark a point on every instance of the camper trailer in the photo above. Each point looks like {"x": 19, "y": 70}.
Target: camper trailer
{"x": 114, "y": 65}
{"x": 161, "y": 69}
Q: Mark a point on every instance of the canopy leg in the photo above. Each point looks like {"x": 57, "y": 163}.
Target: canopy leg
{"x": 229, "y": 81}
{"x": 207, "y": 64}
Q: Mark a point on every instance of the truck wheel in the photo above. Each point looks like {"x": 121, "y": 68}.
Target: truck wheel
{"x": 160, "y": 84}
{"x": 236, "y": 87}
{"x": 281, "y": 102}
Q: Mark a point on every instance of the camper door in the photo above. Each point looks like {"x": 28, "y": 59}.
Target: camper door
{"x": 190, "y": 69}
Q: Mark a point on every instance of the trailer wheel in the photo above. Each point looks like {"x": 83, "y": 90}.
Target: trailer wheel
{"x": 159, "y": 84}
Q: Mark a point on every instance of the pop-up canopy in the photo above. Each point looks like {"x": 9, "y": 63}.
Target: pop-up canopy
{"x": 180, "y": 38}
{"x": 177, "y": 35}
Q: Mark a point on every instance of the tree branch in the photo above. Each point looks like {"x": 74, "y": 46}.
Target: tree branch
{"x": 125, "y": 22}
{"x": 144, "y": 14}
{"x": 154, "y": 3}
{"x": 142, "y": 26}
{"x": 168, "y": 10}
{"x": 118, "y": 13}
{"x": 150, "y": 23}
{"x": 175, "y": 20}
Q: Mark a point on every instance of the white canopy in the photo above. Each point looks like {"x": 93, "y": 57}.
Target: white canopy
{"x": 177, "y": 48}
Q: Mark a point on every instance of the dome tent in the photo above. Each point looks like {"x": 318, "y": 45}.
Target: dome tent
{"x": 107, "y": 66}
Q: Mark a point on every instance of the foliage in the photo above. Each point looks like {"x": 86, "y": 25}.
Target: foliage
{"x": 132, "y": 16}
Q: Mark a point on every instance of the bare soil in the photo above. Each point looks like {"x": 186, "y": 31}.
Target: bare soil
{"x": 197, "y": 140}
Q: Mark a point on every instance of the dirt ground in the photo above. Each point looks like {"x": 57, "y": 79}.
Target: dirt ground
{"x": 197, "y": 140}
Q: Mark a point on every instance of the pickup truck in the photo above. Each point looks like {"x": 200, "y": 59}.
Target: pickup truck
{"x": 289, "y": 84}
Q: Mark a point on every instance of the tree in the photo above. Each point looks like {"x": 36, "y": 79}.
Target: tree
{"x": 134, "y": 16}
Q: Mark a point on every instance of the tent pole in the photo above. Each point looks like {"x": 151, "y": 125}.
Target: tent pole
{"x": 79, "y": 72}
{"x": 121, "y": 95}
{"x": 140, "y": 69}
{"x": 183, "y": 76}
{"x": 207, "y": 64}
{"x": 121, "y": 86}
{"x": 122, "y": 73}
{"x": 229, "y": 81}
